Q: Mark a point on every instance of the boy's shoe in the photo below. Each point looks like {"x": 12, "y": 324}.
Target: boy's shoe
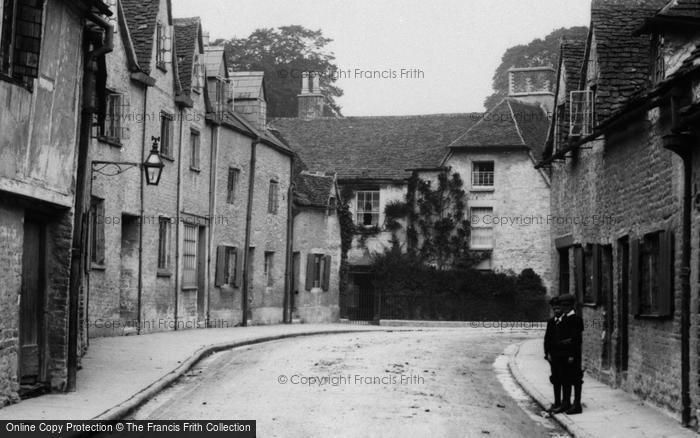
{"x": 573, "y": 410}
{"x": 561, "y": 409}
{"x": 554, "y": 407}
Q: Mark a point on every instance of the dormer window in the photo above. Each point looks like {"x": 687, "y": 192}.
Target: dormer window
{"x": 198, "y": 75}
{"x": 163, "y": 46}
{"x": 581, "y": 115}
{"x": 657, "y": 62}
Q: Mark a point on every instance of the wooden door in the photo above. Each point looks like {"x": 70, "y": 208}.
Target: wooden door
{"x": 623, "y": 307}
{"x": 31, "y": 338}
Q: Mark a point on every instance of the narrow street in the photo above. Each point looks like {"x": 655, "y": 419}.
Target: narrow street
{"x": 442, "y": 383}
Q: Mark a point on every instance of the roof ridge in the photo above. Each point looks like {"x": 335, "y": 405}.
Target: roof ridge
{"x": 515, "y": 122}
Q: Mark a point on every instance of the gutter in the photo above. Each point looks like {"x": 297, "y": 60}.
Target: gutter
{"x": 288, "y": 259}
{"x": 248, "y": 221}
{"x": 78, "y": 247}
{"x": 213, "y": 155}
{"x": 178, "y": 220}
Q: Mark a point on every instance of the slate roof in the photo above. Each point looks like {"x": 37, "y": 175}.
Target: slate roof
{"x": 681, "y": 8}
{"x": 623, "y": 59}
{"x": 510, "y": 123}
{"x": 312, "y": 190}
{"x": 141, "y": 17}
{"x": 187, "y": 32}
{"x": 248, "y": 84}
{"x": 372, "y": 147}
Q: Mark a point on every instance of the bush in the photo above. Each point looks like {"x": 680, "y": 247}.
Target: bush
{"x": 411, "y": 290}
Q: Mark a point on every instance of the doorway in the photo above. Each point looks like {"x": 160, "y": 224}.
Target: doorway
{"x": 32, "y": 339}
{"x": 622, "y": 350}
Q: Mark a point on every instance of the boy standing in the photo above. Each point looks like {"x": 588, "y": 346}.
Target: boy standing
{"x": 549, "y": 347}
{"x": 566, "y": 354}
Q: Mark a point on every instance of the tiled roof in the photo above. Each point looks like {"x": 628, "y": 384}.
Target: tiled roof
{"x": 623, "y": 59}
{"x": 682, "y": 8}
{"x": 248, "y": 84}
{"x": 510, "y": 123}
{"x": 312, "y": 190}
{"x": 187, "y": 32}
{"x": 141, "y": 17}
{"x": 372, "y": 147}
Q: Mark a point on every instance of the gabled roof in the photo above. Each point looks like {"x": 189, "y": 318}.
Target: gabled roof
{"x": 510, "y": 123}
{"x": 216, "y": 61}
{"x": 571, "y": 55}
{"x": 681, "y": 8}
{"x": 373, "y": 148}
{"x": 141, "y": 17}
{"x": 623, "y": 59}
{"x": 248, "y": 84}
{"x": 313, "y": 190}
{"x": 188, "y": 41}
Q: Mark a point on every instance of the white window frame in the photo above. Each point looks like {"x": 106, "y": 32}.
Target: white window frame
{"x": 164, "y": 247}
{"x": 478, "y": 177}
{"x": 581, "y": 113}
{"x": 190, "y": 254}
{"x": 375, "y": 204}
{"x": 479, "y": 226}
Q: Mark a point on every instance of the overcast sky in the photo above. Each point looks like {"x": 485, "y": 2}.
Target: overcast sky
{"x": 457, "y": 44}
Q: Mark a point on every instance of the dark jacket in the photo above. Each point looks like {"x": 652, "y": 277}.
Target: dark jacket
{"x": 549, "y": 337}
{"x": 568, "y": 337}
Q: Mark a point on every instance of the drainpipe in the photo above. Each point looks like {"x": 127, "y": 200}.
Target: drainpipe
{"x": 212, "y": 207}
{"x": 178, "y": 206}
{"x": 141, "y": 212}
{"x": 682, "y": 143}
{"x": 248, "y": 220}
{"x": 78, "y": 242}
{"x": 288, "y": 259}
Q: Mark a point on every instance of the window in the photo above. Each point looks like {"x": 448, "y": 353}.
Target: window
{"x": 482, "y": 230}
{"x": 228, "y": 266}
{"x": 163, "y": 43}
{"x": 97, "y": 231}
{"x": 164, "y": 233}
{"x": 367, "y": 208}
{"x": 166, "y": 135}
{"x": 564, "y": 271}
{"x": 20, "y": 39}
{"x": 268, "y": 268}
{"x": 482, "y": 174}
{"x": 273, "y": 198}
{"x": 581, "y": 114}
{"x": 189, "y": 257}
{"x": 194, "y": 149}
{"x": 232, "y": 186}
{"x": 221, "y": 96}
{"x": 590, "y": 271}
{"x": 658, "y": 64}
{"x": 652, "y": 274}
{"x": 116, "y": 113}
{"x": 318, "y": 271}
{"x": 198, "y": 74}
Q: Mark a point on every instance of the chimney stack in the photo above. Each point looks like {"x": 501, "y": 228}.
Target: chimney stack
{"x": 533, "y": 85}
{"x": 310, "y": 99}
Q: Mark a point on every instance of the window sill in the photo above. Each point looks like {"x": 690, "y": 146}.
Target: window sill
{"x": 97, "y": 267}
{"x": 481, "y": 248}
{"x": 167, "y": 157}
{"x": 195, "y": 169}
{"x": 14, "y": 81}
{"x": 482, "y": 189}
{"x": 653, "y": 317}
{"x": 190, "y": 288}
{"x": 161, "y": 66}
{"x": 164, "y": 273}
{"x": 590, "y": 305}
{"x": 110, "y": 141}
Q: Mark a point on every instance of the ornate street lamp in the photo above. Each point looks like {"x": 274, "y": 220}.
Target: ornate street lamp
{"x": 153, "y": 166}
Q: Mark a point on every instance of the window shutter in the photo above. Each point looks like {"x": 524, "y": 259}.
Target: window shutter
{"x": 326, "y": 273}
{"x": 310, "y": 265}
{"x": 238, "y": 280}
{"x": 596, "y": 279}
{"x": 27, "y": 39}
{"x": 220, "y": 279}
{"x": 580, "y": 273}
{"x": 634, "y": 277}
{"x": 666, "y": 271}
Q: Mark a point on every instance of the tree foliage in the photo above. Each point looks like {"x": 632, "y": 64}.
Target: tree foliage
{"x": 283, "y": 54}
{"x": 538, "y": 52}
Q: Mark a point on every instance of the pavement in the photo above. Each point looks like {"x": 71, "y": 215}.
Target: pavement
{"x": 607, "y": 412}
{"x": 120, "y": 373}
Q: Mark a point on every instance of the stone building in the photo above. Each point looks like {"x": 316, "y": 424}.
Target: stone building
{"x": 47, "y": 63}
{"x": 374, "y": 157}
{"x": 623, "y": 171}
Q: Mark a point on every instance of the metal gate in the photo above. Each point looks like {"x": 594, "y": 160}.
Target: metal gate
{"x": 358, "y": 305}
